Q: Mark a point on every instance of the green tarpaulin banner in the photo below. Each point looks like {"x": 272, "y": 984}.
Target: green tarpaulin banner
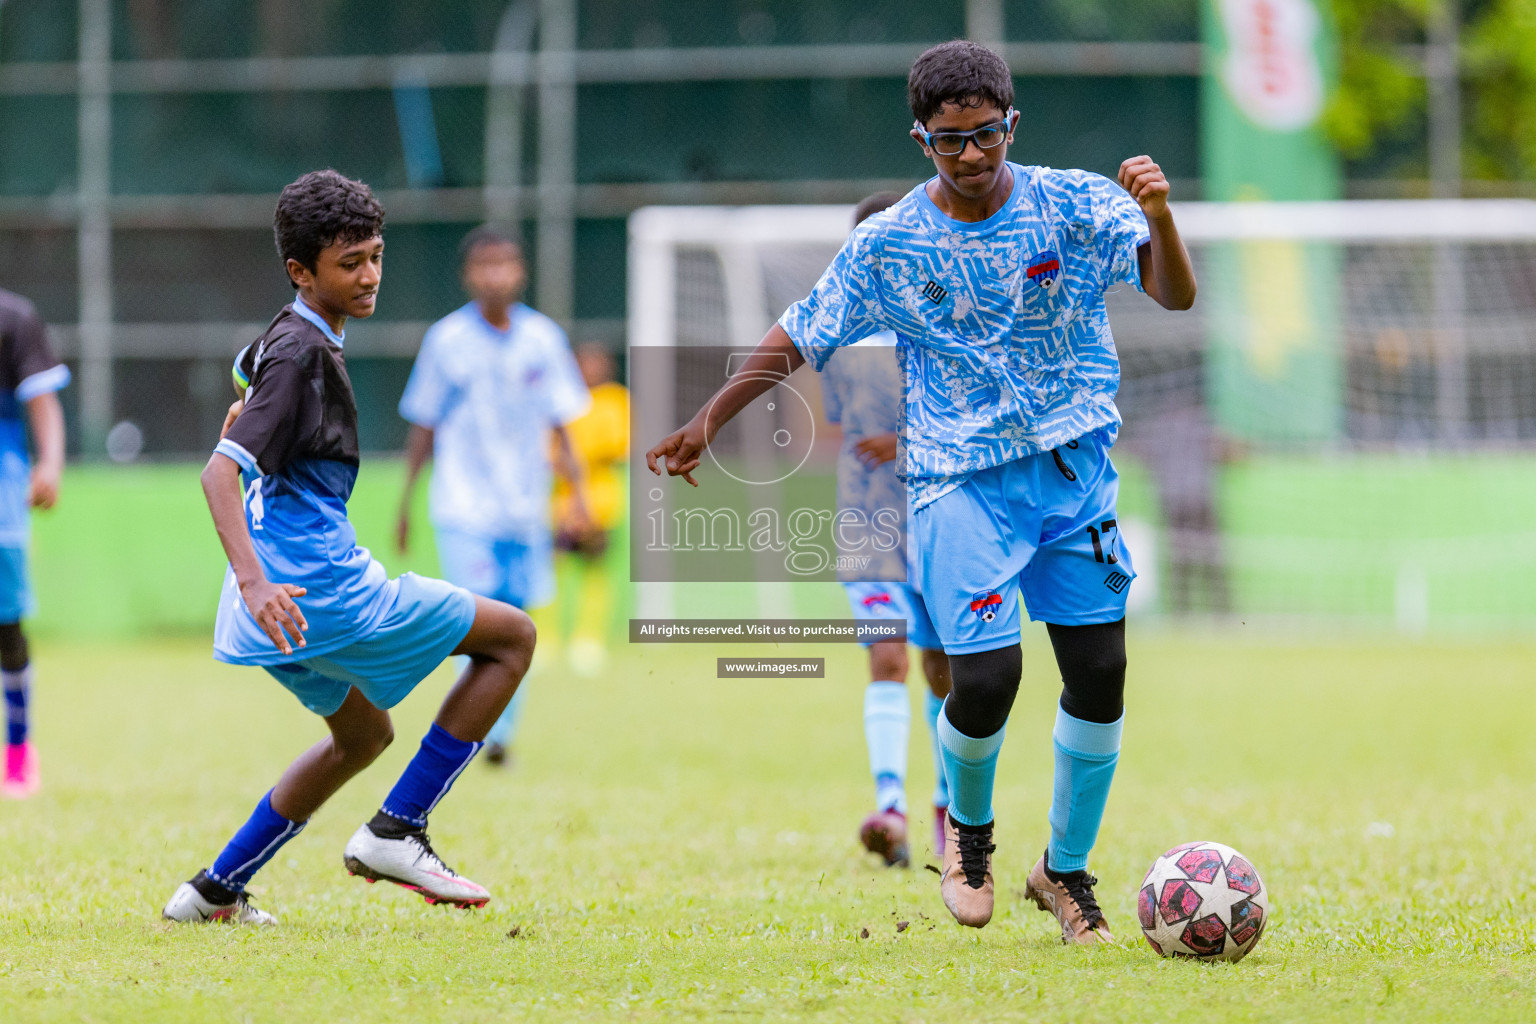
{"x": 1276, "y": 370}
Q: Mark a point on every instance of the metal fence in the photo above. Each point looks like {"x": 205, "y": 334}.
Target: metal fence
{"x": 143, "y": 236}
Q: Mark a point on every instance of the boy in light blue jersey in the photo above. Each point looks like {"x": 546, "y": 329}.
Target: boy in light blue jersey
{"x": 992, "y": 275}
{"x": 493, "y": 380}
{"x": 304, "y": 602}
{"x": 862, "y": 393}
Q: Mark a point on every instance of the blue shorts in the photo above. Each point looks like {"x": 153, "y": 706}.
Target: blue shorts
{"x": 15, "y": 585}
{"x": 521, "y": 574}
{"x": 426, "y": 621}
{"x": 1042, "y": 528}
{"x": 894, "y": 601}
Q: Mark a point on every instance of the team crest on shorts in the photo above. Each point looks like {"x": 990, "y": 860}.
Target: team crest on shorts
{"x": 986, "y": 605}
{"x": 1044, "y": 269}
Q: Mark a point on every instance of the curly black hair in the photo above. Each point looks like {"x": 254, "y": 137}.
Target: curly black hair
{"x": 321, "y": 209}
{"x": 960, "y": 72}
{"x": 488, "y": 234}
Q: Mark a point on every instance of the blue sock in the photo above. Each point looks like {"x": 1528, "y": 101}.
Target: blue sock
{"x": 1086, "y": 753}
{"x": 429, "y": 776}
{"x": 931, "y": 707}
{"x": 970, "y": 764}
{"x": 887, "y": 716}
{"x": 18, "y": 684}
{"x": 505, "y": 729}
{"x": 258, "y": 840}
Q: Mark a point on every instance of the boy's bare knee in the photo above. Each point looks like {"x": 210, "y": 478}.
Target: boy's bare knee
{"x": 519, "y": 640}
{"x": 888, "y": 661}
{"x": 361, "y": 751}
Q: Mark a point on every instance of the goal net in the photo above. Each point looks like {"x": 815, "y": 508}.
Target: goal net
{"x": 1343, "y": 428}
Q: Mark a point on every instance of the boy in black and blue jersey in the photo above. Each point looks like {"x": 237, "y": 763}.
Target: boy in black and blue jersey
{"x": 303, "y": 601}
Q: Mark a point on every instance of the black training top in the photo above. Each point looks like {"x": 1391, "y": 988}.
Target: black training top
{"x": 24, "y": 350}
{"x": 298, "y": 399}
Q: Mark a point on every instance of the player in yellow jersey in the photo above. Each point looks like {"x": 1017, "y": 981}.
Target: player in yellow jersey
{"x": 600, "y": 444}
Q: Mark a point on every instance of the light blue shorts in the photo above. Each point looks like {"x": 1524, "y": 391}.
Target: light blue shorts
{"x": 1042, "y": 528}
{"x": 894, "y": 601}
{"x": 427, "y": 620}
{"x": 521, "y": 574}
{"x": 15, "y": 585}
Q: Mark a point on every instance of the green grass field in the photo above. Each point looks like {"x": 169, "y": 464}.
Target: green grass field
{"x": 671, "y": 845}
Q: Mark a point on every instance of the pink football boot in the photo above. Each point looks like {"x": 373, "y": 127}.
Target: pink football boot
{"x": 22, "y": 778}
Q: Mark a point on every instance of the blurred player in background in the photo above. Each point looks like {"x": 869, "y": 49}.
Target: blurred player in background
{"x": 30, "y": 378}
{"x": 304, "y": 602}
{"x": 600, "y": 444}
{"x": 992, "y": 274}
{"x": 862, "y": 392}
{"x": 493, "y": 379}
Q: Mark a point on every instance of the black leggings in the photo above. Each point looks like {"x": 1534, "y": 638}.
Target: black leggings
{"x": 13, "y": 647}
{"x": 1091, "y": 660}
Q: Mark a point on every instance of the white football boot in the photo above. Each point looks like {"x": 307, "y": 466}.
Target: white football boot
{"x": 191, "y": 904}
{"x": 410, "y": 863}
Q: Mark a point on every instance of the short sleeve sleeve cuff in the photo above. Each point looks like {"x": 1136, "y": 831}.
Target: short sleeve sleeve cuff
{"x": 236, "y": 453}
{"x": 242, "y": 381}
{"x": 44, "y": 382}
{"x": 413, "y": 410}
{"x": 425, "y": 401}
{"x": 796, "y": 323}
{"x": 573, "y": 404}
{"x": 1121, "y": 220}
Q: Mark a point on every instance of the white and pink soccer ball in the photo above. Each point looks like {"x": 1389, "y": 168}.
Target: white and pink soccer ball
{"x": 1203, "y": 900}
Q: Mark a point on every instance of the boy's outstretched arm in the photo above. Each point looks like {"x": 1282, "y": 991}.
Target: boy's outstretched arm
{"x": 47, "y": 418}
{"x": 418, "y": 449}
{"x": 271, "y": 603}
{"x": 762, "y": 370}
{"x": 1166, "y": 273}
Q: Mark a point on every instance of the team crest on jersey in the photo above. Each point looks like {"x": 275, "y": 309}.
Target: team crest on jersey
{"x": 880, "y": 600}
{"x": 986, "y": 605}
{"x": 1044, "y": 270}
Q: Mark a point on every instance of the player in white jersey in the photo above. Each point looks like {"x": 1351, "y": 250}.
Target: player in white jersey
{"x": 492, "y": 380}
{"x": 862, "y": 393}
{"x": 992, "y": 275}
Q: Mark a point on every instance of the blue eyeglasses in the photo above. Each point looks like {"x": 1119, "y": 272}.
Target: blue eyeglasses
{"x": 988, "y": 136}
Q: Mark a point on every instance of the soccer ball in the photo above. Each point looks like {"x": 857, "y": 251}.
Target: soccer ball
{"x": 1203, "y": 900}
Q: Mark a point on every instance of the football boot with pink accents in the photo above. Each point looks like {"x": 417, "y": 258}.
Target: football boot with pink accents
{"x": 22, "y": 778}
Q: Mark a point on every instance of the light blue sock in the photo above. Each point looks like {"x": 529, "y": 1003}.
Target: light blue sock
{"x": 887, "y": 719}
{"x": 1086, "y": 754}
{"x": 504, "y": 732}
{"x": 931, "y": 707}
{"x": 970, "y": 764}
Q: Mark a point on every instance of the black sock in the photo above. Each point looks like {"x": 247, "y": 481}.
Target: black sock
{"x": 962, "y": 827}
{"x": 1057, "y": 876}
{"x": 387, "y": 826}
{"x": 212, "y": 891}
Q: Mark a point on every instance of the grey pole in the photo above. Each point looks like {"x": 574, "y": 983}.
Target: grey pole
{"x": 94, "y": 230}
{"x": 1449, "y": 288}
{"x": 504, "y": 112}
{"x": 984, "y": 22}
{"x": 1444, "y": 99}
{"x": 556, "y": 253}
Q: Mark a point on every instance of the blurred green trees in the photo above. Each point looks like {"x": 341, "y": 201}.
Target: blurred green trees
{"x": 1383, "y": 88}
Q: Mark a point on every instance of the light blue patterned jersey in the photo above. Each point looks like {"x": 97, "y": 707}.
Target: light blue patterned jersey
{"x": 491, "y": 397}
{"x": 1000, "y": 325}
{"x": 861, "y": 391}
